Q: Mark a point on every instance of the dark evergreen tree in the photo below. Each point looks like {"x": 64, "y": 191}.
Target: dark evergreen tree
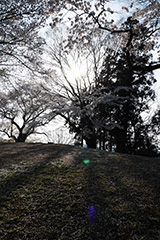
{"x": 135, "y": 87}
{"x": 131, "y": 81}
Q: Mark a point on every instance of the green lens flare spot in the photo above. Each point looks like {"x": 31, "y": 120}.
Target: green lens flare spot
{"x": 86, "y": 161}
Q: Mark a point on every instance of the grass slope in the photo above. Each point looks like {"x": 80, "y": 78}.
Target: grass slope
{"x": 46, "y": 189}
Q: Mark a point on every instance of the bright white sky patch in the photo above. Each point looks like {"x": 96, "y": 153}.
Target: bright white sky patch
{"x": 75, "y": 72}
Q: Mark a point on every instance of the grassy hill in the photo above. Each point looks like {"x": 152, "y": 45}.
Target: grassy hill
{"x": 46, "y": 191}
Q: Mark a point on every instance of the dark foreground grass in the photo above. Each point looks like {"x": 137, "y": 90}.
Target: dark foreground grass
{"x": 49, "y": 200}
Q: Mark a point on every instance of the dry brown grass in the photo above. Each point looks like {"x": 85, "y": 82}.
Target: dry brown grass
{"x": 45, "y": 191}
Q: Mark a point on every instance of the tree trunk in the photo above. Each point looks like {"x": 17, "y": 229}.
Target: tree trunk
{"x": 121, "y": 140}
{"x": 21, "y": 137}
{"x": 110, "y": 143}
{"x": 91, "y": 142}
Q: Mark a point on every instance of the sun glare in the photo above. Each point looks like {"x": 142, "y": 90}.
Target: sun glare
{"x": 75, "y": 73}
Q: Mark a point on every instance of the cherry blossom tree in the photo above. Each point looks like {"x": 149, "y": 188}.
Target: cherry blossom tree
{"x": 86, "y": 17}
{"x": 60, "y": 135}
{"x": 82, "y": 17}
{"x": 19, "y": 23}
{"x": 75, "y": 89}
{"x": 24, "y": 110}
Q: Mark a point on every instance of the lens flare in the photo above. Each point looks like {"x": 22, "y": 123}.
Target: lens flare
{"x": 92, "y": 214}
{"x": 87, "y": 161}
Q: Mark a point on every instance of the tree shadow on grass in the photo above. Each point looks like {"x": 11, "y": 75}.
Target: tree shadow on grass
{"x": 141, "y": 168}
{"x": 125, "y": 209}
{"x": 21, "y": 177}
